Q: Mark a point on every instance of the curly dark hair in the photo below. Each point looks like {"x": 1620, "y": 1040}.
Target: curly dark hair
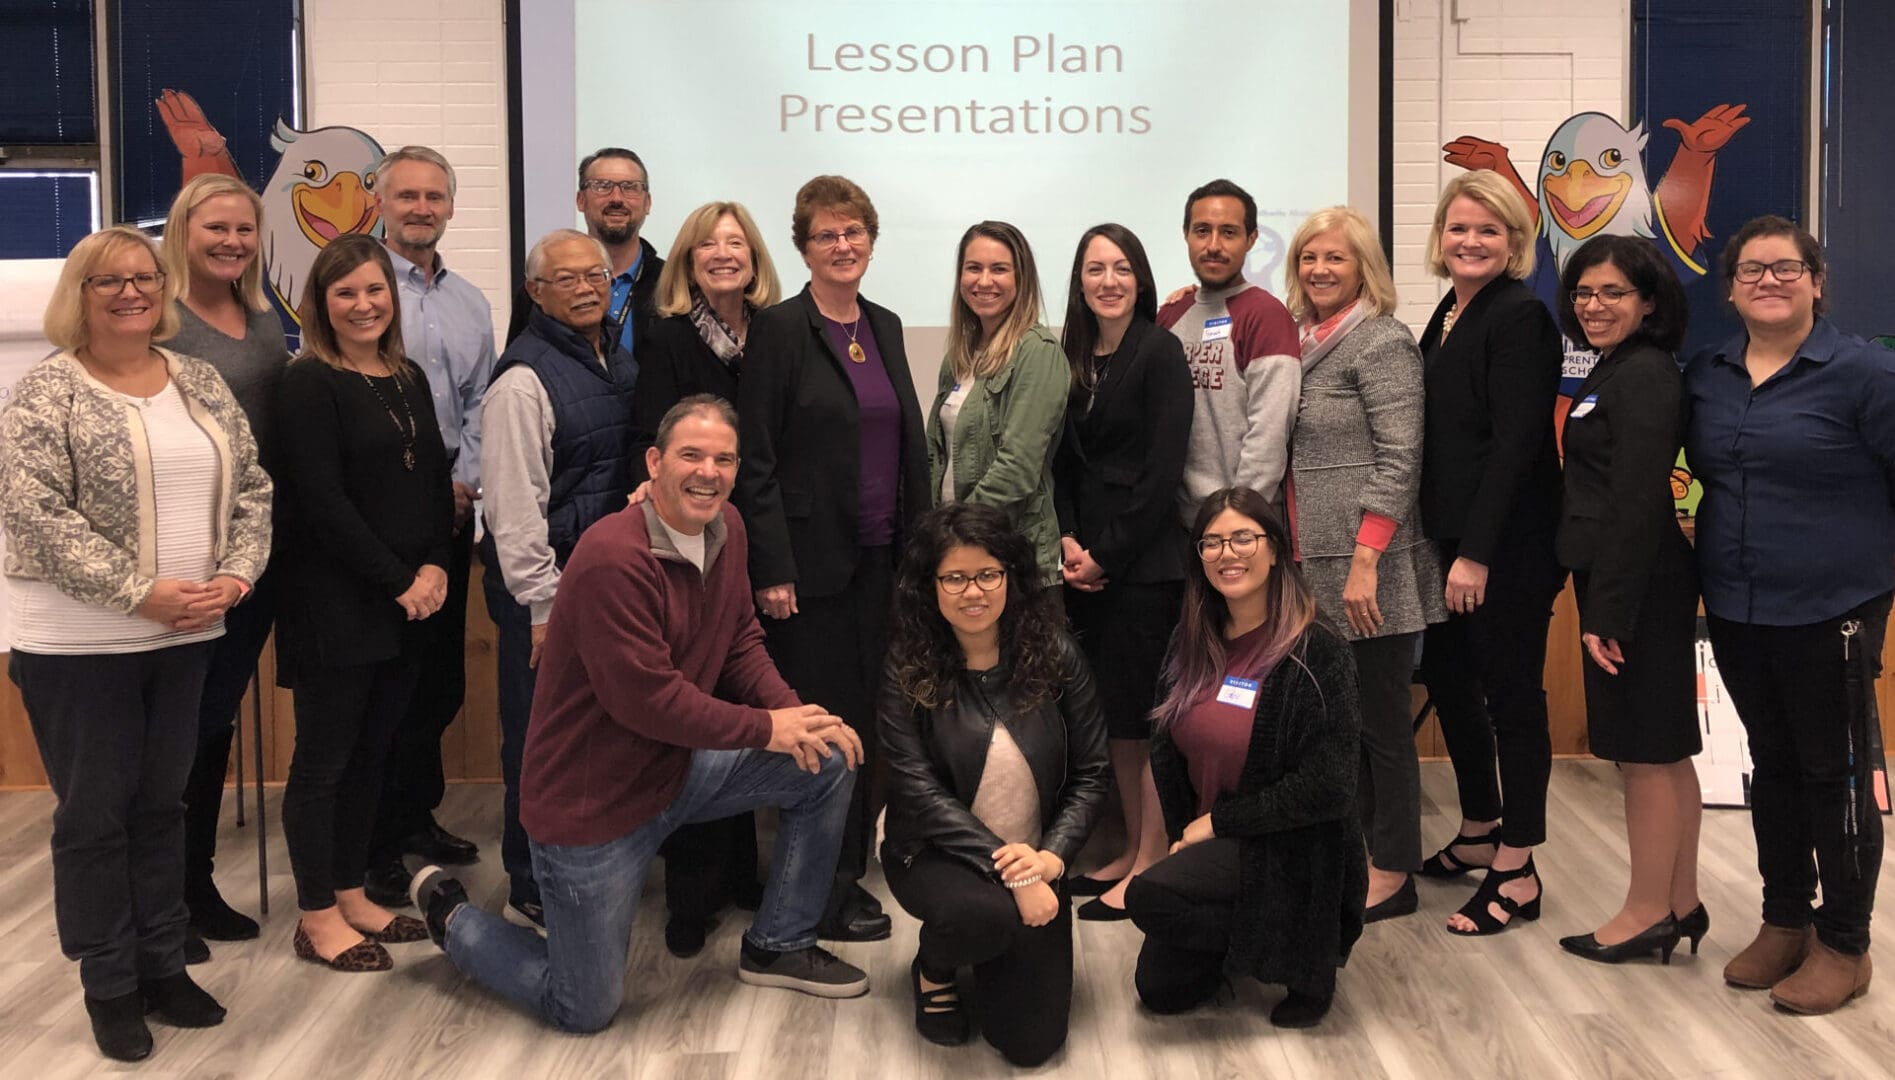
{"x": 924, "y": 657}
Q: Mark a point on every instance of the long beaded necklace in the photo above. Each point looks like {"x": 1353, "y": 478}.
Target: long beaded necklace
{"x": 408, "y": 433}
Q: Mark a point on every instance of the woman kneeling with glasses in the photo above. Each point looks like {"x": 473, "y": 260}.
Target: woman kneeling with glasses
{"x": 997, "y": 768}
{"x": 1255, "y": 759}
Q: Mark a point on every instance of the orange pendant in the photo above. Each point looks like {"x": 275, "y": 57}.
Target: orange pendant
{"x": 856, "y": 354}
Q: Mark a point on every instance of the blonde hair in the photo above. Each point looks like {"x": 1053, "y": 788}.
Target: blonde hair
{"x": 1378, "y": 285}
{"x": 176, "y": 258}
{"x": 970, "y": 360}
{"x": 1487, "y": 188}
{"x": 65, "y": 321}
{"x": 674, "y": 284}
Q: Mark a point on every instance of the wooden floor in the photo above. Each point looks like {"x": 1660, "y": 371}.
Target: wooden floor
{"x": 1414, "y": 1001}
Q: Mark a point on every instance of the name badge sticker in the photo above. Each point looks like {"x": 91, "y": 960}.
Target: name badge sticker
{"x": 1239, "y": 692}
{"x": 1217, "y": 329}
{"x": 1584, "y": 407}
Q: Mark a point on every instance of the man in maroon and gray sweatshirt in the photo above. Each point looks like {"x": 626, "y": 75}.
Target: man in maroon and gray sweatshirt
{"x": 656, "y": 707}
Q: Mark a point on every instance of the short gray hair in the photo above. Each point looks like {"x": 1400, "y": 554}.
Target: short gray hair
{"x": 696, "y": 405}
{"x": 419, "y": 153}
{"x": 536, "y": 259}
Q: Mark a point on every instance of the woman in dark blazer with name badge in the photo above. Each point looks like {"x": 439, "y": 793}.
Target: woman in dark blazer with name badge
{"x": 834, "y": 474}
{"x": 1636, "y": 582}
{"x": 1490, "y": 500}
{"x": 1122, "y": 553}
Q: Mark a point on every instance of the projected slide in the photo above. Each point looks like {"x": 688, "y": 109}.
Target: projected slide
{"x": 1054, "y": 116}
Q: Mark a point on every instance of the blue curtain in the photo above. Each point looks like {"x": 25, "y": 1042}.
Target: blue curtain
{"x": 1858, "y": 220}
{"x": 43, "y": 215}
{"x": 46, "y": 79}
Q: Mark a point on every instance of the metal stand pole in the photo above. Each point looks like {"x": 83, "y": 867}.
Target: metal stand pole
{"x": 263, "y": 856}
{"x": 237, "y": 724}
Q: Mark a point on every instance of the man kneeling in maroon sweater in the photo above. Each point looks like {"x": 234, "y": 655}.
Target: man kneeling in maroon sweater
{"x": 657, "y": 707}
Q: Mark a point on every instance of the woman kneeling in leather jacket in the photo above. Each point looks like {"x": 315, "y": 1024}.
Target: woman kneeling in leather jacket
{"x": 991, "y": 730}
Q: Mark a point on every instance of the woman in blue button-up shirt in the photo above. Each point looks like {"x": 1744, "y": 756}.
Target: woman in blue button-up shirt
{"x": 1792, "y": 433}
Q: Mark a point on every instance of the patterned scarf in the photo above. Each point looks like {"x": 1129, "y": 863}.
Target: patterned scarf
{"x": 715, "y": 332}
{"x": 1320, "y": 338}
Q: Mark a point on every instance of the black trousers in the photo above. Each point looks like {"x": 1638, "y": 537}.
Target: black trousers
{"x": 1388, "y": 787}
{"x": 1186, "y": 903}
{"x": 709, "y": 866}
{"x": 831, "y": 654}
{"x": 412, "y": 780}
{"x": 1486, "y": 673}
{"x": 1023, "y": 974}
{"x": 233, "y": 664}
{"x": 1787, "y": 684}
{"x": 345, "y": 718}
{"x": 116, "y": 733}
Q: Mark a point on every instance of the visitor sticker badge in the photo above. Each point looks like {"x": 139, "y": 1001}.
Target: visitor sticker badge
{"x": 1217, "y": 329}
{"x": 1239, "y": 692}
{"x": 1583, "y": 407}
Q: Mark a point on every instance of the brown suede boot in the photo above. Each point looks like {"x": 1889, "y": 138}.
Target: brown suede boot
{"x": 1769, "y": 958}
{"x": 1825, "y": 982}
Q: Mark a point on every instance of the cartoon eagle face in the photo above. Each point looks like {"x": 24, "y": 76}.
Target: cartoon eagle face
{"x": 1592, "y": 181}
{"x": 323, "y": 187}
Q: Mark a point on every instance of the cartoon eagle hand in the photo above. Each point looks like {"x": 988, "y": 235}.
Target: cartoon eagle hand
{"x": 1710, "y": 132}
{"x": 190, "y": 129}
{"x": 1473, "y": 152}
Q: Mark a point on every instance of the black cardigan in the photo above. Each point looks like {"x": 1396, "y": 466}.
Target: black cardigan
{"x": 935, "y": 759}
{"x": 1304, "y": 882}
{"x": 802, "y": 447}
{"x": 1120, "y": 465}
{"x": 1489, "y": 467}
{"x": 355, "y": 524}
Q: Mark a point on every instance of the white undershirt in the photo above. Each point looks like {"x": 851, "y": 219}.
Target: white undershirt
{"x": 691, "y": 546}
{"x": 184, "y": 469}
{"x": 950, "y": 414}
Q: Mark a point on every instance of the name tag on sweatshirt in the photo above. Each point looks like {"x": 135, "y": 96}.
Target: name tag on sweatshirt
{"x": 1590, "y": 403}
{"x": 1239, "y": 692}
{"x": 1217, "y": 329}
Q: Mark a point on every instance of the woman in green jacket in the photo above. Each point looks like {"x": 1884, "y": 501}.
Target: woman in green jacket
{"x": 996, "y": 420}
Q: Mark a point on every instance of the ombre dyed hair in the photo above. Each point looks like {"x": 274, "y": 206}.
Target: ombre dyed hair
{"x": 1199, "y": 656}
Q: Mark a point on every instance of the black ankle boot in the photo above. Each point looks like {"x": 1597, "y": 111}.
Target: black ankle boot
{"x": 1299, "y": 1009}
{"x": 118, "y": 1026}
{"x": 181, "y": 1002}
{"x": 216, "y": 920}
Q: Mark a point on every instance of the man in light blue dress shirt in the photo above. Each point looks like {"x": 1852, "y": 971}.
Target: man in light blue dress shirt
{"x": 447, "y": 326}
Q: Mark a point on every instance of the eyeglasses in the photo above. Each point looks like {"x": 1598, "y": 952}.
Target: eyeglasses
{"x": 113, "y": 284}
{"x": 829, "y": 238}
{"x": 1610, "y": 297}
{"x": 1241, "y": 544}
{"x": 954, "y": 583}
{"x": 625, "y": 187}
{"x": 1783, "y": 270}
{"x": 569, "y": 282}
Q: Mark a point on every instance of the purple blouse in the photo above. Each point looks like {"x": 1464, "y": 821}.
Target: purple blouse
{"x": 879, "y": 426}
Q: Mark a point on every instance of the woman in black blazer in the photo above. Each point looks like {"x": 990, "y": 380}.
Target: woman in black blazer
{"x": 834, "y": 473}
{"x": 1490, "y": 499}
{"x": 1636, "y": 581}
{"x": 1122, "y": 552}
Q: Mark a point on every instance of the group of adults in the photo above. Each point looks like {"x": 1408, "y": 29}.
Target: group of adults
{"x": 1187, "y": 549}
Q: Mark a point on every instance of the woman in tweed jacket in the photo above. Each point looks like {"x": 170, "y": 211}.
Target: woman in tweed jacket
{"x": 1356, "y": 462}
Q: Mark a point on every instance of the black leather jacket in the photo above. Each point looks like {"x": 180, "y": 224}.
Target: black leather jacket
{"x": 936, "y": 756}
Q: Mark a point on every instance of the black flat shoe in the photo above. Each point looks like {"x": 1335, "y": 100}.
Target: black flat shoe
{"x": 441, "y": 847}
{"x": 939, "y": 1016}
{"x": 1694, "y": 926}
{"x": 1091, "y": 886}
{"x": 1660, "y": 937}
{"x": 856, "y": 926}
{"x": 195, "y": 951}
{"x": 118, "y": 1026}
{"x": 181, "y": 1002}
{"x": 1443, "y": 864}
{"x": 1100, "y": 911}
{"x": 684, "y": 938}
{"x": 1300, "y": 1010}
{"x": 215, "y": 920}
{"x": 1402, "y": 901}
{"x": 386, "y": 883}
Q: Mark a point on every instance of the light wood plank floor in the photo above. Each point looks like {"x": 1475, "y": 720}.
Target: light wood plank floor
{"x": 1415, "y": 1001}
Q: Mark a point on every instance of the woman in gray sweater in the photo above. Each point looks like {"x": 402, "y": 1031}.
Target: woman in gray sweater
{"x": 1356, "y": 467}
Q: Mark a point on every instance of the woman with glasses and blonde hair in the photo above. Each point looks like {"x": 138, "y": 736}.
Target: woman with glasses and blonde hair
{"x": 211, "y": 250}
{"x": 834, "y": 475}
{"x": 996, "y": 418}
{"x": 1792, "y": 432}
{"x": 1255, "y": 758}
{"x": 136, "y": 516}
{"x": 1356, "y": 460}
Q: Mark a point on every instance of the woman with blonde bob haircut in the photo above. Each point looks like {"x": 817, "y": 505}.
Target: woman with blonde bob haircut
{"x": 1002, "y": 399}
{"x": 1356, "y": 456}
{"x": 136, "y": 516}
{"x": 1485, "y": 188}
{"x": 211, "y": 250}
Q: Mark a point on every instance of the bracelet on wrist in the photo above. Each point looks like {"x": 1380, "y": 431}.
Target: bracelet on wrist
{"x": 1023, "y": 882}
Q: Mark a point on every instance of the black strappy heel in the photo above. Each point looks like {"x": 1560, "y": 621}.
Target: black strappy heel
{"x": 1443, "y": 864}
{"x": 1476, "y": 910}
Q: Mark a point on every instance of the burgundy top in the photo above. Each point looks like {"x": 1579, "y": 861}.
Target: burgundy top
{"x": 879, "y": 424}
{"x": 1214, "y": 736}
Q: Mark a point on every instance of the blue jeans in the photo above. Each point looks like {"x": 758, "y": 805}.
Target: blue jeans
{"x": 515, "y": 679}
{"x": 574, "y": 978}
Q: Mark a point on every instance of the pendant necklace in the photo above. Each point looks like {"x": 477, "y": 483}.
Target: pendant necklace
{"x": 855, "y": 349}
{"x": 408, "y": 432}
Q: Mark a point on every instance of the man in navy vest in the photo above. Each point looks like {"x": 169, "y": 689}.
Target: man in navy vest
{"x": 558, "y": 455}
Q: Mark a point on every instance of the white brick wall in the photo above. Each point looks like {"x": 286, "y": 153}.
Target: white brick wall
{"x": 1505, "y": 70}
{"x": 434, "y": 75}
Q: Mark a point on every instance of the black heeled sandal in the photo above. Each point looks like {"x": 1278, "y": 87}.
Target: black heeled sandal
{"x": 1443, "y": 864}
{"x": 1476, "y": 910}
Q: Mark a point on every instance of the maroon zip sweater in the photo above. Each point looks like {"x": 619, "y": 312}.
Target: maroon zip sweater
{"x": 645, "y": 660}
